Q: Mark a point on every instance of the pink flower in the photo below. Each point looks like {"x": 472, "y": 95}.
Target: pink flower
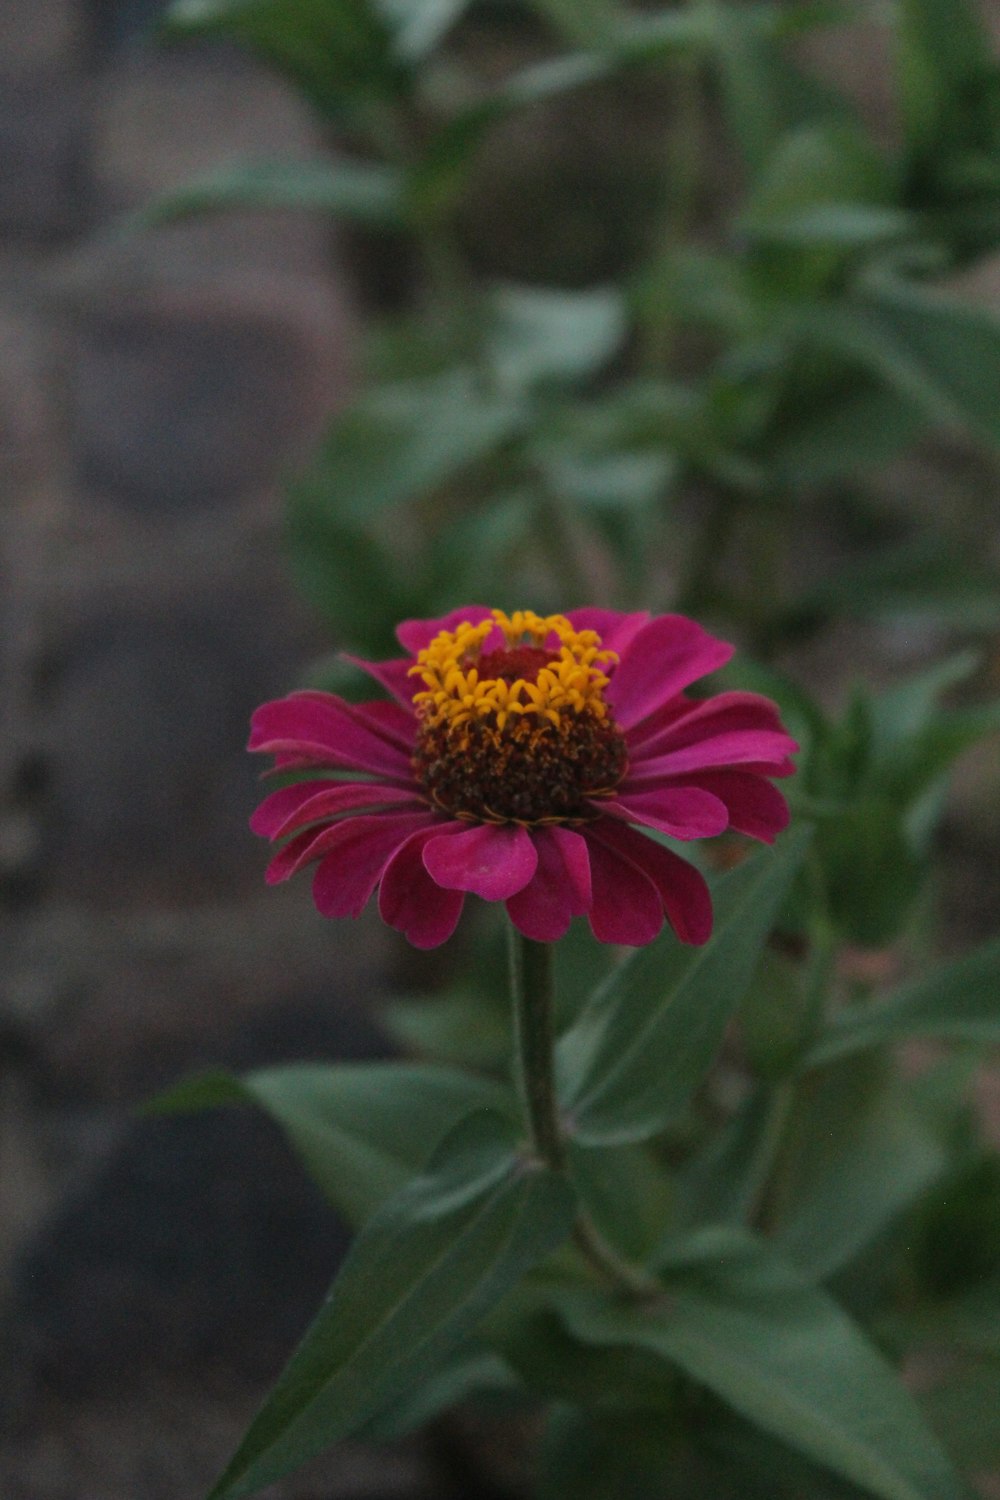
{"x": 517, "y": 758}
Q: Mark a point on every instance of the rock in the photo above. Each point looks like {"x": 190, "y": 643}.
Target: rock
{"x": 42, "y": 143}
{"x": 186, "y": 395}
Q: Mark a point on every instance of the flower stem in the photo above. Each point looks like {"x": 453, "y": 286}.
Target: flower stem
{"x": 533, "y": 989}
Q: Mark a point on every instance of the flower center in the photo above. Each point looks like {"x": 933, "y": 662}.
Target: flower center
{"x": 513, "y": 722}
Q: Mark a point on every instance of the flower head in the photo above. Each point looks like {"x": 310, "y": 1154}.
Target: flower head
{"x": 517, "y": 758}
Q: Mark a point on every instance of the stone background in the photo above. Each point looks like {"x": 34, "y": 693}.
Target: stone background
{"x": 153, "y": 392}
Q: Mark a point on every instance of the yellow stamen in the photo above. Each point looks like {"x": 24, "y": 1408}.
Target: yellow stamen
{"x": 570, "y": 682}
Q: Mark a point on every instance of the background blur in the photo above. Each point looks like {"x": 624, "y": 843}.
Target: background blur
{"x": 155, "y": 390}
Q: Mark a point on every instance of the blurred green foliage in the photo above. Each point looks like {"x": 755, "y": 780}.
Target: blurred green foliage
{"x": 724, "y": 310}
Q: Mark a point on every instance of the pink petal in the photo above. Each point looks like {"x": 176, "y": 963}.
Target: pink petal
{"x": 626, "y": 905}
{"x": 560, "y": 888}
{"x": 390, "y": 721}
{"x": 755, "y": 806}
{"x": 615, "y": 629}
{"x": 392, "y": 675}
{"x": 308, "y": 801}
{"x": 316, "y": 842}
{"x": 355, "y": 854}
{"x": 493, "y": 860}
{"x": 764, "y": 747}
{"x": 662, "y": 659}
{"x": 680, "y": 887}
{"x": 414, "y": 635}
{"x": 320, "y": 729}
{"x": 716, "y": 715}
{"x": 684, "y": 812}
{"x": 410, "y": 901}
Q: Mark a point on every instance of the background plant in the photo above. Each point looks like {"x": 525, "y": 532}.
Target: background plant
{"x": 697, "y": 415}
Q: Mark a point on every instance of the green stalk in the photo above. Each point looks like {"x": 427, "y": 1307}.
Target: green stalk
{"x": 533, "y": 990}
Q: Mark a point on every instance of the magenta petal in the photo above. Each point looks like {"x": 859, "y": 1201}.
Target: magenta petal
{"x": 615, "y": 629}
{"x": 662, "y": 659}
{"x": 414, "y": 635}
{"x": 293, "y": 856}
{"x": 763, "y": 747}
{"x": 309, "y": 801}
{"x": 355, "y": 853}
{"x": 320, "y": 729}
{"x": 682, "y": 889}
{"x": 410, "y": 901}
{"x": 626, "y": 905}
{"x": 393, "y": 675}
{"x": 684, "y": 812}
{"x": 315, "y": 842}
{"x": 720, "y": 714}
{"x": 492, "y": 860}
{"x": 559, "y": 890}
{"x": 755, "y": 806}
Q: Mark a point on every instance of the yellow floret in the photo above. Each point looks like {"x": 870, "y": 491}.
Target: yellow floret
{"x": 454, "y": 692}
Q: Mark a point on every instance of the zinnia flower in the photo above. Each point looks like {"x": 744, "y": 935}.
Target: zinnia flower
{"x": 517, "y": 758}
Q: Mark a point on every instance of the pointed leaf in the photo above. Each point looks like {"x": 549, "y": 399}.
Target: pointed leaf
{"x": 740, "y": 1320}
{"x": 361, "y": 192}
{"x": 404, "y": 439}
{"x": 419, "y": 1278}
{"x": 419, "y": 25}
{"x": 860, "y": 1156}
{"x": 937, "y": 352}
{"x": 957, "y": 1001}
{"x": 554, "y": 334}
{"x": 337, "y": 52}
{"x": 362, "y": 1129}
{"x": 641, "y": 1047}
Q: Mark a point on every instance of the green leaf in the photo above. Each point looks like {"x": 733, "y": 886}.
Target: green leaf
{"x": 540, "y": 334}
{"x": 859, "y": 1155}
{"x": 418, "y": 1280}
{"x": 854, "y": 425}
{"x": 361, "y": 192}
{"x": 419, "y": 25}
{"x": 743, "y": 1322}
{"x": 872, "y": 872}
{"x": 456, "y": 1027}
{"x": 588, "y": 23}
{"x": 442, "y": 172}
{"x": 587, "y": 1456}
{"x": 763, "y": 94}
{"x": 939, "y": 353}
{"x": 405, "y": 439}
{"x": 626, "y": 1191}
{"x": 338, "y": 53}
{"x": 957, "y": 1001}
{"x": 827, "y": 178}
{"x": 907, "y": 709}
{"x": 361, "y": 1129}
{"x": 965, "y": 1409}
{"x": 641, "y": 1047}
{"x": 944, "y": 61}
{"x": 925, "y": 575}
{"x": 472, "y": 1370}
{"x": 722, "y": 1182}
{"x": 348, "y": 574}
{"x": 832, "y": 225}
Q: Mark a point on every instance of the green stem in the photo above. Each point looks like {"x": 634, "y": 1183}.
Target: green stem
{"x": 532, "y": 984}
{"x": 533, "y": 989}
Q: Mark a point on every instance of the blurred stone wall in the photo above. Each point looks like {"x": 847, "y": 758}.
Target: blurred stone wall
{"x": 154, "y": 391}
